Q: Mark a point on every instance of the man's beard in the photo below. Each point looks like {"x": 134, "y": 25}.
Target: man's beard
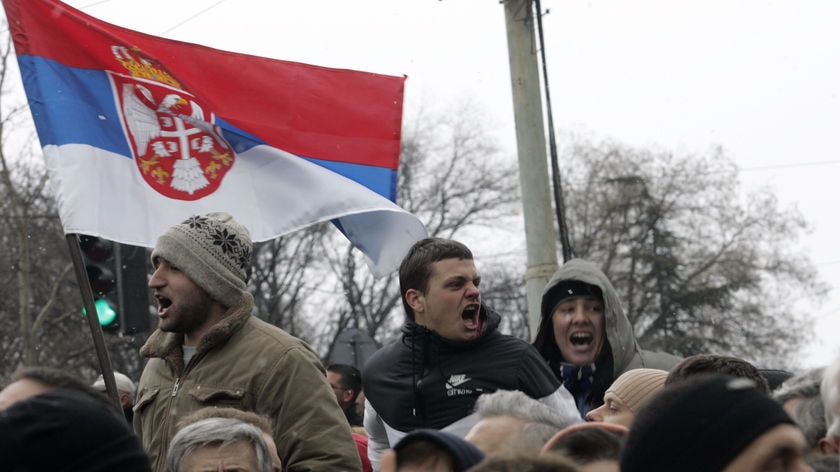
{"x": 189, "y": 315}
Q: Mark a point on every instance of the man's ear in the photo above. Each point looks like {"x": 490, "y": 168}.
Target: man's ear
{"x": 829, "y": 446}
{"x": 347, "y": 394}
{"x": 415, "y": 300}
{"x": 125, "y": 400}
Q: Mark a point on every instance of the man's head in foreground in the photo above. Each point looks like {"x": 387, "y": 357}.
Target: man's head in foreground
{"x": 218, "y": 444}
{"x": 432, "y": 451}
{"x": 713, "y": 423}
{"x": 254, "y": 419}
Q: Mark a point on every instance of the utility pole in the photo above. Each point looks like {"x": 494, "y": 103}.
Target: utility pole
{"x": 540, "y": 235}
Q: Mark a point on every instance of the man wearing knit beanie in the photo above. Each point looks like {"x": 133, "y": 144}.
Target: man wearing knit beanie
{"x": 208, "y": 350}
{"x": 713, "y": 423}
{"x": 626, "y": 395}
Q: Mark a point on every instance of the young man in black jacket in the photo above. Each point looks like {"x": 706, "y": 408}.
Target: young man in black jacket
{"x": 450, "y": 353}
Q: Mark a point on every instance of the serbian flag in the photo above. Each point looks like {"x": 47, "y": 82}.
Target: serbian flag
{"x": 139, "y": 132}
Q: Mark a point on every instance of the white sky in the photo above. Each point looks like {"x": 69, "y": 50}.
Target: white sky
{"x": 758, "y": 77}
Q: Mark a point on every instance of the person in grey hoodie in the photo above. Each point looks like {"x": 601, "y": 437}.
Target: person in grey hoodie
{"x": 585, "y": 335}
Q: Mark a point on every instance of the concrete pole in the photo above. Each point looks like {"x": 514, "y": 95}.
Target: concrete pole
{"x": 540, "y": 233}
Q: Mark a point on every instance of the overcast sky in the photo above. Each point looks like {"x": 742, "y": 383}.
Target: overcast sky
{"x": 758, "y": 77}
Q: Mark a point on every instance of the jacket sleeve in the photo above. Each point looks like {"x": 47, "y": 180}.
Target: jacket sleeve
{"x": 539, "y": 382}
{"x": 562, "y": 401}
{"x": 310, "y": 429}
{"x": 535, "y": 376}
{"x": 376, "y": 434}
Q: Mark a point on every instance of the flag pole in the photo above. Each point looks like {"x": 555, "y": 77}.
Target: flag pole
{"x": 93, "y": 320}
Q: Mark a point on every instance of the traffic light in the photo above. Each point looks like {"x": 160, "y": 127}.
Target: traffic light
{"x": 117, "y": 276}
{"x": 133, "y": 288}
{"x": 99, "y": 265}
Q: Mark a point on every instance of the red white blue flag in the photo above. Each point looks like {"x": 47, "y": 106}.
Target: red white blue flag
{"x": 139, "y": 132}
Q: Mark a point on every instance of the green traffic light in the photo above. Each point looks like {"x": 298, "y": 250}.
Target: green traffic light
{"x": 104, "y": 311}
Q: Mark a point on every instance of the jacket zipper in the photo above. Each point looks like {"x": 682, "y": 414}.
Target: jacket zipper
{"x": 178, "y": 379}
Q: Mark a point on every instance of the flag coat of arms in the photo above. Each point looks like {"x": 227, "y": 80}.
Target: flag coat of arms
{"x": 140, "y": 132}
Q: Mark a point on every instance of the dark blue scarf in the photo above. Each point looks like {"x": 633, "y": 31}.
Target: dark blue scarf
{"x": 578, "y": 381}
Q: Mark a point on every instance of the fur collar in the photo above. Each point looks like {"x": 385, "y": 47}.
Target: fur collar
{"x": 168, "y": 345}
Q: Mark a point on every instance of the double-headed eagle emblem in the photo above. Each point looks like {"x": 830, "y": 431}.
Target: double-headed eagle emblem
{"x": 176, "y": 145}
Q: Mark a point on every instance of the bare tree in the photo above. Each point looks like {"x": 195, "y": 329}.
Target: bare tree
{"x": 454, "y": 177}
{"x": 41, "y": 322}
{"x": 282, "y": 277}
{"x": 505, "y": 292}
{"x": 29, "y": 216}
{"x": 699, "y": 267}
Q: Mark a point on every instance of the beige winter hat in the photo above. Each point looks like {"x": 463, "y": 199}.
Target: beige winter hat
{"x": 213, "y": 250}
{"x": 637, "y": 385}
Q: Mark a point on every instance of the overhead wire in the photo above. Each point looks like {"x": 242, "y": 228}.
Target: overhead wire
{"x": 176, "y": 25}
{"x": 193, "y": 17}
{"x": 94, "y": 4}
{"x": 788, "y": 166}
{"x": 559, "y": 201}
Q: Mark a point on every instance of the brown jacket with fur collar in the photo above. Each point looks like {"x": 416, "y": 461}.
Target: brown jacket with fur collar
{"x": 246, "y": 363}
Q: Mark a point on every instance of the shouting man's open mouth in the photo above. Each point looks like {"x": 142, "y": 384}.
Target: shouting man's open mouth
{"x": 474, "y": 318}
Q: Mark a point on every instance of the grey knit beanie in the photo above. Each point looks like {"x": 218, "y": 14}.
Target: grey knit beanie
{"x": 213, "y": 250}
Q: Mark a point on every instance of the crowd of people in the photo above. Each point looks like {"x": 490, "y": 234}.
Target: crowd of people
{"x": 224, "y": 391}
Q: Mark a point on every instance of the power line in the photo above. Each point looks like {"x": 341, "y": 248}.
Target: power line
{"x": 94, "y": 4}
{"x": 788, "y": 166}
{"x": 192, "y": 17}
{"x": 181, "y": 23}
{"x": 196, "y": 15}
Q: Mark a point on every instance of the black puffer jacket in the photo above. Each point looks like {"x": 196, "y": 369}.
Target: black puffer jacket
{"x": 426, "y": 381}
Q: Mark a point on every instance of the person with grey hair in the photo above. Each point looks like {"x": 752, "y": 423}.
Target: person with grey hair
{"x": 809, "y": 415}
{"x": 261, "y": 422}
{"x": 800, "y": 397}
{"x": 830, "y": 397}
{"x": 209, "y": 349}
{"x": 219, "y": 444}
{"x": 126, "y": 390}
{"x": 510, "y": 419}
{"x": 802, "y": 385}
